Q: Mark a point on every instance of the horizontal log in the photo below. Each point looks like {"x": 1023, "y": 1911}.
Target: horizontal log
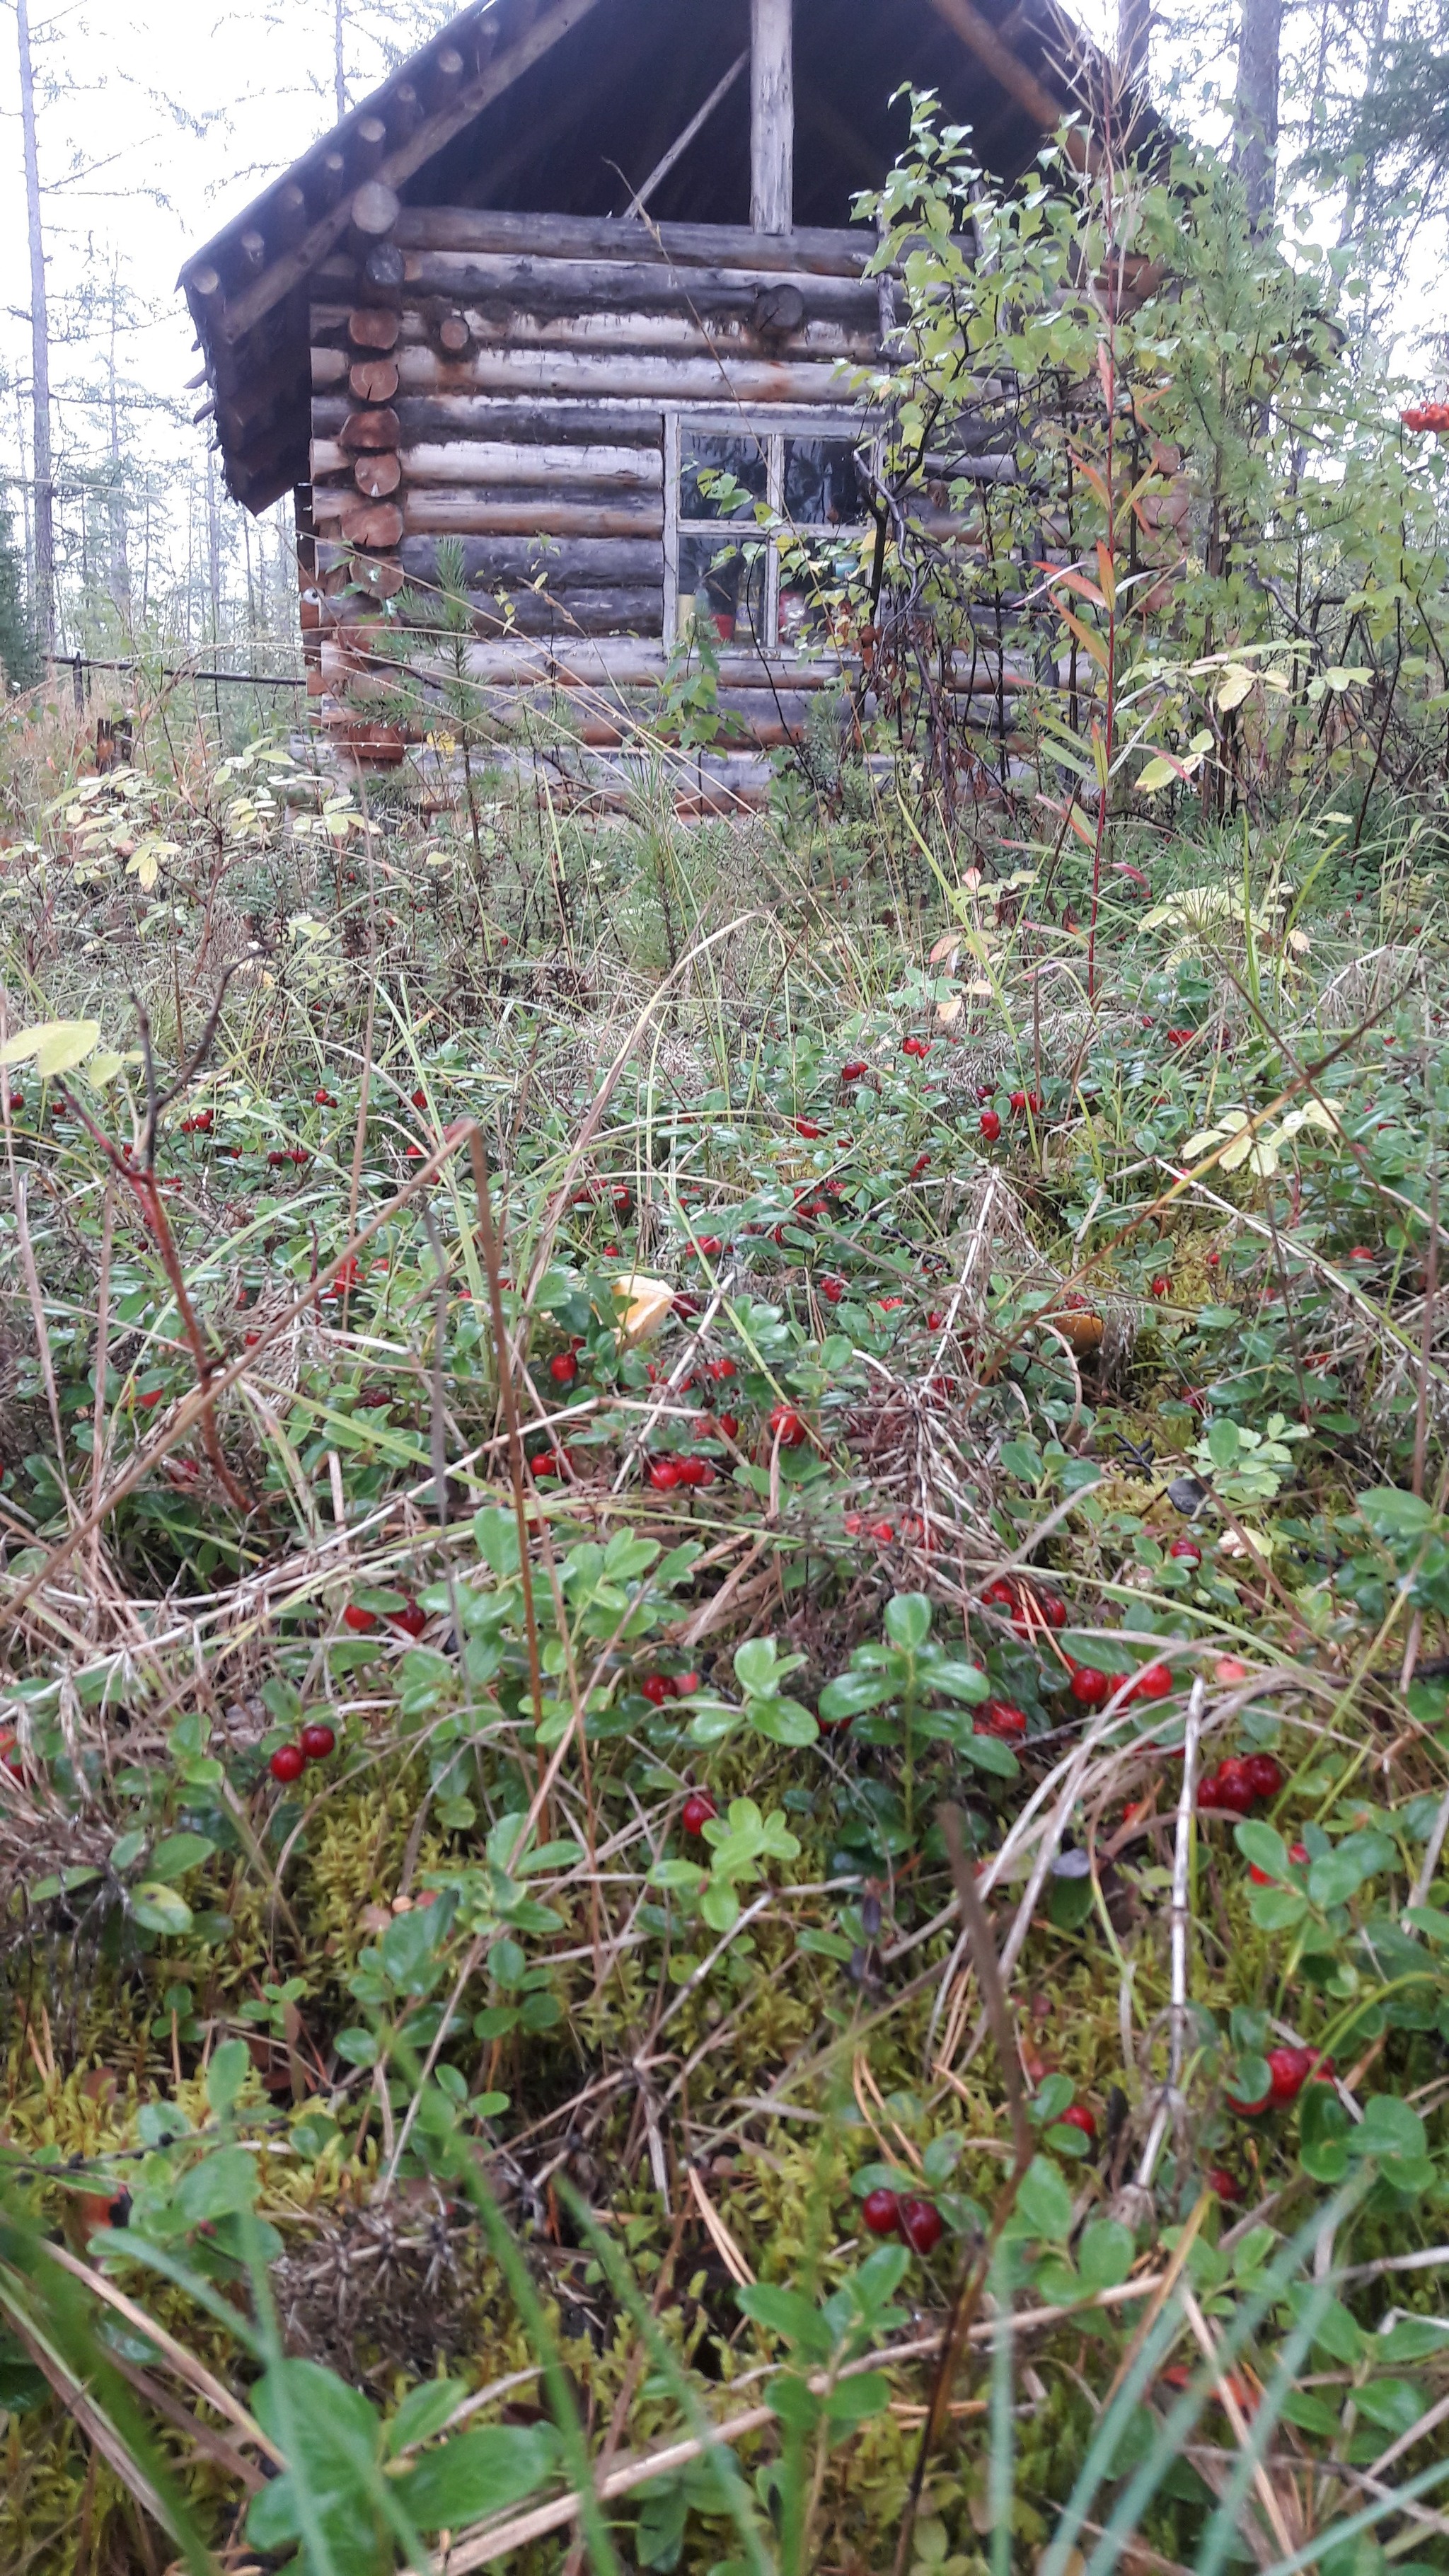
{"x": 525, "y": 425}
{"x": 373, "y": 380}
{"x": 570, "y": 563}
{"x": 378, "y": 473}
{"x": 377, "y": 427}
{"x": 621, "y": 662}
{"x": 497, "y": 462}
{"x": 554, "y": 373}
{"x": 427, "y": 510}
{"x": 577, "y": 509}
{"x": 810, "y": 251}
{"x": 662, "y": 334}
{"x": 373, "y": 524}
{"x": 549, "y": 286}
{"x": 607, "y": 609}
{"x": 373, "y": 326}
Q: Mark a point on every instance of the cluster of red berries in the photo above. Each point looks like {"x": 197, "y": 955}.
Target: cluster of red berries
{"x": 200, "y": 1125}
{"x": 288, "y": 1154}
{"x": 890, "y": 2213}
{"x": 1426, "y": 416}
{"x": 1289, "y": 2069}
{"x": 313, "y": 1745}
{"x": 665, "y": 1474}
{"x": 412, "y": 1618}
{"x": 1181, "y": 1037}
{"x": 999, "y": 1717}
{"x": 1240, "y": 1783}
{"x": 1027, "y": 1610}
{"x": 1090, "y": 1687}
{"x": 920, "y": 1048}
{"x": 659, "y": 1687}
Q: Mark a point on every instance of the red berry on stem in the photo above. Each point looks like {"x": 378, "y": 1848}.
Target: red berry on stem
{"x": 852, "y": 1072}
{"x": 921, "y": 2224}
{"x": 881, "y": 2211}
{"x": 806, "y": 1127}
{"x": 990, "y": 1125}
{"x": 361, "y": 1621}
{"x": 564, "y": 1369}
{"x": 657, "y": 1688}
{"x": 317, "y": 1741}
{"x": 288, "y": 1763}
{"x": 1221, "y": 2182}
{"x": 698, "y": 1811}
{"x": 420, "y": 1099}
{"x": 1162, "y": 1287}
{"x": 787, "y": 1427}
{"x": 1077, "y": 2116}
{"x": 1187, "y": 1550}
{"x": 1153, "y": 1682}
{"x": 1263, "y": 1774}
{"x": 412, "y": 1618}
{"x": 1288, "y": 2070}
{"x": 832, "y": 1290}
{"x": 1090, "y": 1686}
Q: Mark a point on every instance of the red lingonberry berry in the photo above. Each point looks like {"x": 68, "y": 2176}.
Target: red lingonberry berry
{"x": 853, "y": 1071}
{"x": 288, "y": 1763}
{"x": 990, "y": 1124}
{"x": 664, "y": 1475}
{"x": 1288, "y": 2072}
{"x": 881, "y": 2212}
{"x": 1077, "y": 2116}
{"x": 1153, "y": 1682}
{"x": 1090, "y": 1686}
{"x": 1187, "y": 1550}
{"x": 317, "y": 1740}
{"x": 657, "y": 1688}
{"x": 1264, "y": 1775}
{"x": 921, "y": 2224}
{"x": 697, "y": 1812}
{"x": 412, "y": 1618}
{"x": 564, "y": 1369}
{"x": 832, "y": 1290}
{"x": 361, "y": 1621}
{"x": 787, "y": 1427}
{"x": 806, "y": 1127}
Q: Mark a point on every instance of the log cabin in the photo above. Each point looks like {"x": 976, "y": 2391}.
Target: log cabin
{"x": 577, "y": 284}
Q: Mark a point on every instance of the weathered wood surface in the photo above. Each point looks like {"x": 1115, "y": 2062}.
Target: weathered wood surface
{"x": 562, "y": 564}
{"x": 810, "y": 250}
{"x": 549, "y": 286}
{"x": 772, "y": 116}
{"x": 554, "y": 374}
{"x": 439, "y": 511}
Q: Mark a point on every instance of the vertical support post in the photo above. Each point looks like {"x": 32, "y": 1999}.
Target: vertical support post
{"x": 772, "y": 116}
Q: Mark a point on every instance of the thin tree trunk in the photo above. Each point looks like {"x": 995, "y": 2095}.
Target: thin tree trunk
{"x": 213, "y": 548}
{"x": 120, "y": 559}
{"x": 44, "y": 471}
{"x": 1255, "y": 109}
{"x": 339, "y": 72}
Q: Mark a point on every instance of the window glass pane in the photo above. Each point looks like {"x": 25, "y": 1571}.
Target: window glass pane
{"x": 815, "y": 609}
{"x": 723, "y": 584}
{"x": 705, "y": 455}
{"x": 822, "y": 488}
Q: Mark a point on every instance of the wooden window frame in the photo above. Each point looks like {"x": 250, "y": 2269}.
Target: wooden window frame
{"x": 772, "y": 431}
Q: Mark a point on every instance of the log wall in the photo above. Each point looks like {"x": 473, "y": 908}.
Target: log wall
{"x": 510, "y": 382}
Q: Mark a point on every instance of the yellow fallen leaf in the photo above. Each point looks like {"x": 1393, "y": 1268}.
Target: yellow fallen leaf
{"x": 648, "y": 1302}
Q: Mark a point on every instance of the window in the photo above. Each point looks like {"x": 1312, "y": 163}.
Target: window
{"x": 763, "y": 527}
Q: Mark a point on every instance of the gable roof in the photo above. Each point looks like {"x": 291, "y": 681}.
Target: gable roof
{"x": 563, "y": 107}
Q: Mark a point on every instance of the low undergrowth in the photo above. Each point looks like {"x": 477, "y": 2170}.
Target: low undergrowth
{"x": 726, "y": 1712}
